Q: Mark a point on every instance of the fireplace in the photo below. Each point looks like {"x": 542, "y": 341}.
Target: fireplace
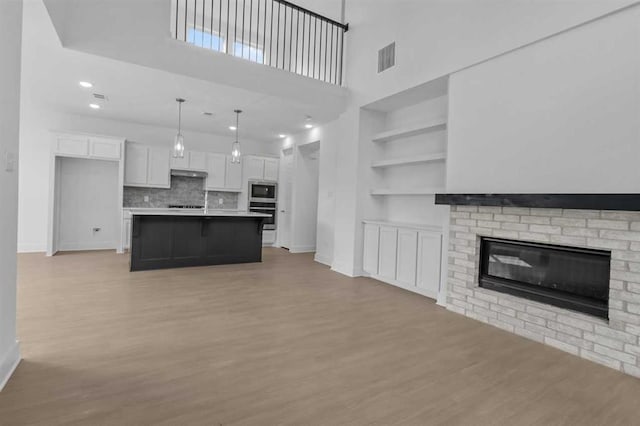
{"x": 567, "y": 277}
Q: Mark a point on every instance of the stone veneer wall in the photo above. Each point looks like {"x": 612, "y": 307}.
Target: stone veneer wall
{"x": 613, "y": 343}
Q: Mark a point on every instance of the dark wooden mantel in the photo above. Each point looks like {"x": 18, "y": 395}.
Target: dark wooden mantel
{"x": 626, "y": 202}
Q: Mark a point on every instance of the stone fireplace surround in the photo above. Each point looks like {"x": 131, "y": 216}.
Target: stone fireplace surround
{"x": 614, "y": 342}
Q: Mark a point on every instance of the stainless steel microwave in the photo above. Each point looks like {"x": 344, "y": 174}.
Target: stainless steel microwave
{"x": 262, "y": 191}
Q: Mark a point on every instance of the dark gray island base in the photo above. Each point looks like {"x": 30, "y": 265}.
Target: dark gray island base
{"x": 160, "y": 241}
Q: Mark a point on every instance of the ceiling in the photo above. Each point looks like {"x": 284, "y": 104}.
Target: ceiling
{"x": 145, "y": 95}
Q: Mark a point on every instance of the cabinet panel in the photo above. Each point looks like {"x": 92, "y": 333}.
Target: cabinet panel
{"x": 105, "y": 148}
{"x": 254, "y": 167}
{"x": 216, "y": 170}
{"x": 180, "y": 163}
{"x": 126, "y": 234}
{"x": 370, "y": 255}
{"x": 271, "y": 169}
{"x": 197, "y": 160}
{"x": 387, "y": 254}
{"x": 73, "y": 146}
{"x": 136, "y": 163}
{"x": 159, "y": 173}
{"x": 407, "y": 254}
{"x": 429, "y": 258}
{"x": 233, "y": 178}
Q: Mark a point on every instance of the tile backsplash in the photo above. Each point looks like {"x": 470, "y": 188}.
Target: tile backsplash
{"x": 184, "y": 190}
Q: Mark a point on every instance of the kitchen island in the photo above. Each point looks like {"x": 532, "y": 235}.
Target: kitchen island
{"x": 178, "y": 238}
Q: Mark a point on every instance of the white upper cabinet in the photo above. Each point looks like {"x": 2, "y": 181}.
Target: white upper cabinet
{"x": 136, "y": 164}
{"x": 216, "y": 171}
{"x": 192, "y": 160}
{"x": 104, "y": 148}
{"x": 233, "y": 174}
{"x": 254, "y": 167}
{"x": 197, "y": 161}
{"x": 261, "y": 168}
{"x": 158, "y": 171}
{"x": 73, "y": 146}
{"x": 147, "y": 166}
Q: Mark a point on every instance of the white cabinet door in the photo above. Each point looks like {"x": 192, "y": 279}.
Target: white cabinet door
{"x": 178, "y": 163}
{"x": 387, "y": 252}
{"x": 197, "y": 161}
{"x": 104, "y": 148}
{"x": 407, "y": 257}
{"x": 135, "y": 165}
{"x": 216, "y": 170}
{"x": 271, "y": 169}
{"x": 429, "y": 258}
{"x": 370, "y": 255}
{"x": 233, "y": 178}
{"x": 73, "y": 146}
{"x": 254, "y": 167}
{"x": 159, "y": 173}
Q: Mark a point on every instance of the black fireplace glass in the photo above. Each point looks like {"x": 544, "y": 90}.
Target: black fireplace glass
{"x": 569, "y": 277}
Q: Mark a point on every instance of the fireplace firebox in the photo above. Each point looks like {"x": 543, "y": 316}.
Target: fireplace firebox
{"x": 567, "y": 277}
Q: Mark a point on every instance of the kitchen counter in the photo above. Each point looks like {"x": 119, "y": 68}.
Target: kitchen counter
{"x": 193, "y": 212}
{"x": 174, "y": 238}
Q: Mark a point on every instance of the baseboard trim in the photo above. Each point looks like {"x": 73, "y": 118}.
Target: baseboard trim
{"x": 322, "y": 259}
{"x": 341, "y": 269}
{"x": 302, "y": 249}
{"x": 31, "y": 248}
{"x": 9, "y": 364}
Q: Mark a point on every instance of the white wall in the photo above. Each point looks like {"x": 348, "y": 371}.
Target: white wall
{"x": 35, "y": 140}
{"x": 88, "y": 197}
{"x": 562, "y": 115}
{"x": 10, "y": 50}
{"x": 435, "y": 38}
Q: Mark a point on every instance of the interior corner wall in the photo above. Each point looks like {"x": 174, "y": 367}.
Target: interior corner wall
{"x": 10, "y": 51}
{"x": 36, "y": 125}
{"x": 561, "y": 115}
{"x": 436, "y": 38}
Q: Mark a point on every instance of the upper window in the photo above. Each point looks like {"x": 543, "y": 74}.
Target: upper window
{"x": 218, "y": 43}
{"x": 207, "y": 40}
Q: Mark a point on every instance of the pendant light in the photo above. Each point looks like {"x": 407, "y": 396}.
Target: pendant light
{"x": 178, "y": 144}
{"x": 235, "y": 148}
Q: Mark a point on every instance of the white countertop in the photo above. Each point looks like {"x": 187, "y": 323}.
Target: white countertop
{"x": 193, "y": 212}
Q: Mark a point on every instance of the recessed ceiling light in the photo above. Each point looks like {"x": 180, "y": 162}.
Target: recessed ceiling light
{"x": 94, "y": 106}
{"x": 281, "y": 136}
{"x": 308, "y": 126}
{"x": 85, "y": 84}
{"x": 232, "y": 127}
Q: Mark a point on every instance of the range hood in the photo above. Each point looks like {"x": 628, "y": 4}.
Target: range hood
{"x": 188, "y": 173}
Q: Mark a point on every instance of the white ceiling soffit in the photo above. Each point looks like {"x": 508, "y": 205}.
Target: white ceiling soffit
{"x": 138, "y": 32}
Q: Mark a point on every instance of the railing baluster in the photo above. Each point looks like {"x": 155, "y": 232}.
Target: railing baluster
{"x": 327, "y": 66}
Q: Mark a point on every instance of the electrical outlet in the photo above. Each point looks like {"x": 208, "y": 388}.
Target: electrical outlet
{"x": 220, "y": 201}
{"x": 146, "y": 198}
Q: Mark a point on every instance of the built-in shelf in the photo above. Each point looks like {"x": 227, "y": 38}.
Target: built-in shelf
{"x": 417, "y": 159}
{"x": 433, "y": 126}
{"x": 406, "y": 191}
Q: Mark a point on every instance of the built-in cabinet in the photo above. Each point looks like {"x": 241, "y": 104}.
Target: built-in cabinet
{"x": 150, "y": 166}
{"x": 192, "y": 160}
{"x": 126, "y": 229}
{"x": 147, "y": 166}
{"x": 223, "y": 174}
{"x": 93, "y": 147}
{"x": 261, "y": 168}
{"x": 408, "y": 256}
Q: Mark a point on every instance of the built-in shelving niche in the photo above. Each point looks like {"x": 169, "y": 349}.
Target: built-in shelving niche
{"x": 403, "y": 160}
{"x": 407, "y": 154}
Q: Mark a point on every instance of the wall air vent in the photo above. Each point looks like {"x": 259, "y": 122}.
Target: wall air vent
{"x": 387, "y": 57}
{"x": 100, "y": 96}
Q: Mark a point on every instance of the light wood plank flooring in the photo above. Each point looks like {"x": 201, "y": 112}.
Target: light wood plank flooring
{"x": 282, "y": 342}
